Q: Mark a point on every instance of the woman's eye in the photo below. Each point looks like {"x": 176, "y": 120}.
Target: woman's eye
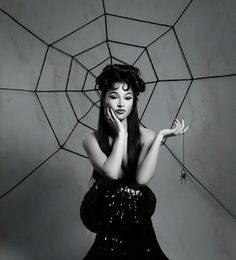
{"x": 112, "y": 97}
{"x": 128, "y": 98}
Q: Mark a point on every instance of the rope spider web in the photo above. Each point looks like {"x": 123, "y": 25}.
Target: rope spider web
{"x": 90, "y": 58}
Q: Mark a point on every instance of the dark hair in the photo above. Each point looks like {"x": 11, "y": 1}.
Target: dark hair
{"x": 131, "y": 76}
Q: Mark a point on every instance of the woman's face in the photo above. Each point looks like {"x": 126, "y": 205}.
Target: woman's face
{"x": 120, "y": 99}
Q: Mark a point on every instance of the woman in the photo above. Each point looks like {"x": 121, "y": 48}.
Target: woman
{"x": 119, "y": 205}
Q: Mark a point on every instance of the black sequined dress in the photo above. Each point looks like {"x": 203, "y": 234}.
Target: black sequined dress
{"x": 120, "y": 213}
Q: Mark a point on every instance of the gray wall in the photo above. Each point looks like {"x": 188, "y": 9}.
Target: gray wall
{"x": 40, "y": 218}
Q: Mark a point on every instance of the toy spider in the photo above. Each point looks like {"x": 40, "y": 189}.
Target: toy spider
{"x": 183, "y": 176}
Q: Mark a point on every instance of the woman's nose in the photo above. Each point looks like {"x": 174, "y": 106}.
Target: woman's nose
{"x": 120, "y": 103}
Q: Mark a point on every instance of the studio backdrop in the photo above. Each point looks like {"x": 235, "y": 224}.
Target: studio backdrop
{"x": 50, "y": 55}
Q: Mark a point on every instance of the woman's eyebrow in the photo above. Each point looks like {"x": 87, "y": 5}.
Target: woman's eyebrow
{"x": 114, "y": 92}
{"x": 128, "y": 93}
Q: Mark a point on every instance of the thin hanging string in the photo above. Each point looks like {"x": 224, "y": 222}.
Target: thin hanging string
{"x": 183, "y": 176}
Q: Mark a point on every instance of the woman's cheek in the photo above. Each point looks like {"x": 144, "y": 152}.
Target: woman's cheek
{"x": 111, "y": 105}
{"x": 108, "y": 102}
{"x": 130, "y": 106}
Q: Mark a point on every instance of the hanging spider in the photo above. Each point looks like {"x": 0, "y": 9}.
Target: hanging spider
{"x": 183, "y": 176}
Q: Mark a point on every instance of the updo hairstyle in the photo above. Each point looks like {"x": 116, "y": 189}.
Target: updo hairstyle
{"x": 120, "y": 73}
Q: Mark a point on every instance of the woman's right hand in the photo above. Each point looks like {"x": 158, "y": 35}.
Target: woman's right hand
{"x": 113, "y": 121}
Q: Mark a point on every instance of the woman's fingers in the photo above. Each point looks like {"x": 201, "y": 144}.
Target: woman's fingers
{"x": 182, "y": 120}
{"x": 177, "y": 123}
{"x": 109, "y": 116}
{"x": 114, "y": 117}
{"x": 177, "y": 130}
{"x": 113, "y": 114}
{"x": 186, "y": 128}
{"x": 180, "y": 127}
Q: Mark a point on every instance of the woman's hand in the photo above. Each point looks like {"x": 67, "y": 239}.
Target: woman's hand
{"x": 113, "y": 121}
{"x": 178, "y": 130}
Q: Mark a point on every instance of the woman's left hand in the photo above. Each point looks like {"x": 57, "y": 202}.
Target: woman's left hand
{"x": 178, "y": 130}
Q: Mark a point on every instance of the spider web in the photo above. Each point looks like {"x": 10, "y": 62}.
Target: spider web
{"x": 139, "y": 51}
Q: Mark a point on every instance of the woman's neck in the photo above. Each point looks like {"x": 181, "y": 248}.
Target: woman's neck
{"x": 125, "y": 124}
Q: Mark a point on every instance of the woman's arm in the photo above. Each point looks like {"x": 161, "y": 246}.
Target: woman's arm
{"x": 107, "y": 166}
{"x": 150, "y": 151}
{"x": 148, "y": 158}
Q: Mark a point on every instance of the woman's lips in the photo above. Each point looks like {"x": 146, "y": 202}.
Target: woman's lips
{"x": 120, "y": 111}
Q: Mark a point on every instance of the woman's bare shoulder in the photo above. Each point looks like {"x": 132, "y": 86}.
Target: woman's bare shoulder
{"x": 147, "y": 135}
{"x": 89, "y": 137}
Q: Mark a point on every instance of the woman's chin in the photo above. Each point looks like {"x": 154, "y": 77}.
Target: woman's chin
{"x": 121, "y": 116}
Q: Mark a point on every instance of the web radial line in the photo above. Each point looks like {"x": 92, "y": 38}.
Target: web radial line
{"x": 91, "y": 101}
{"x": 85, "y": 79}
{"x": 151, "y": 82}
{"x": 71, "y": 151}
{"x": 93, "y": 47}
{"x": 41, "y": 70}
{"x": 68, "y": 77}
{"x": 85, "y": 68}
{"x": 165, "y": 139}
{"x": 119, "y": 60}
{"x": 176, "y": 115}
{"x": 216, "y": 76}
{"x": 27, "y": 176}
{"x": 17, "y": 89}
{"x": 61, "y": 51}
{"x": 47, "y": 119}
{"x": 201, "y": 184}
{"x": 139, "y": 56}
{"x": 62, "y": 38}
{"x": 109, "y": 50}
{"x": 70, "y": 134}
{"x": 183, "y": 54}
{"x": 87, "y": 112}
{"x": 103, "y": 6}
{"x": 105, "y": 15}
{"x": 137, "y": 20}
{"x": 99, "y": 64}
{"x": 72, "y": 107}
{"x": 148, "y": 101}
{"x": 24, "y": 27}
{"x": 127, "y": 44}
{"x": 185, "y": 9}
{"x": 106, "y": 30}
{"x": 159, "y": 37}
{"x": 91, "y": 128}
{"x": 152, "y": 64}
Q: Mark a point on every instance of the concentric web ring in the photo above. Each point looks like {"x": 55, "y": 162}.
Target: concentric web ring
{"x": 87, "y": 61}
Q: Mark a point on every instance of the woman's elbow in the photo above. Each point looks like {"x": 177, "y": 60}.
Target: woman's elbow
{"x": 109, "y": 172}
{"x": 142, "y": 180}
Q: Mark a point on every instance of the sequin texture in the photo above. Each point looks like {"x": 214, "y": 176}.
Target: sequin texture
{"x": 120, "y": 213}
